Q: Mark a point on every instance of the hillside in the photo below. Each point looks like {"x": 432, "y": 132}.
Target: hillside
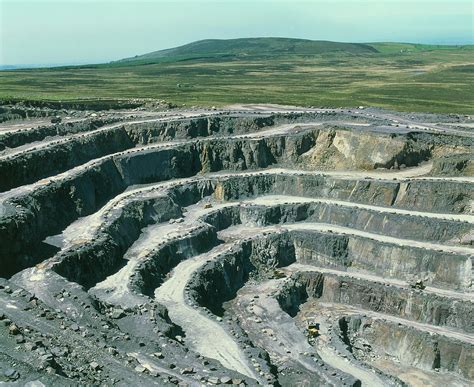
{"x": 398, "y": 76}
{"x": 249, "y": 47}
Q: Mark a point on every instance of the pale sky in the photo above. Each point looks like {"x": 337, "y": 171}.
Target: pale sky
{"x": 90, "y": 31}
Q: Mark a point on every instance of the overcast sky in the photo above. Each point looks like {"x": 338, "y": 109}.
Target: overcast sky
{"x": 91, "y": 31}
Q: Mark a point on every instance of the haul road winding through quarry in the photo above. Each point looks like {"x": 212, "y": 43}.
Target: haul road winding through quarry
{"x": 248, "y": 245}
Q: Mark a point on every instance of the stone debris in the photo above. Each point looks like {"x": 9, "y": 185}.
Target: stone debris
{"x": 11, "y": 374}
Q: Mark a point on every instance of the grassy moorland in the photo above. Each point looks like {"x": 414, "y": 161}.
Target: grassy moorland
{"x": 399, "y": 76}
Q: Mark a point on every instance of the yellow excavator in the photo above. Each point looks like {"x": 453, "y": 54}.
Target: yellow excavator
{"x": 313, "y": 330}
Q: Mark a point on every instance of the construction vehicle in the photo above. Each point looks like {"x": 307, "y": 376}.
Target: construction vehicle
{"x": 278, "y": 274}
{"x": 312, "y": 331}
{"x": 417, "y": 284}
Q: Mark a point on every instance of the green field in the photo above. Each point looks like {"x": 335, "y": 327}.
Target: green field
{"x": 409, "y": 77}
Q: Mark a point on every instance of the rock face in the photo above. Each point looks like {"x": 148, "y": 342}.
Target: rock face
{"x": 253, "y": 246}
{"x": 423, "y": 350}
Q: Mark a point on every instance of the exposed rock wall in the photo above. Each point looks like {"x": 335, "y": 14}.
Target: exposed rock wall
{"x": 18, "y": 138}
{"x": 386, "y": 260}
{"x": 219, "y": 280}
{"x": 413, "y": 305}
{"x": 411, "y": 347}
{"x": 31, "y": 166}
{"x": 28, "y": 219}
{"x": 92, "y": 262}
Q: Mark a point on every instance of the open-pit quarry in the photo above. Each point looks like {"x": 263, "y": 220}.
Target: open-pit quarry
{"x": 248, "y": 245}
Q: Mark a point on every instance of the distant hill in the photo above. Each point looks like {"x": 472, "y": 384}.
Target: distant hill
{"x": 248, "y": 47}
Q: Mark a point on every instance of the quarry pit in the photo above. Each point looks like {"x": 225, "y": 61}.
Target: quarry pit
{"x": 247, "y": 245}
